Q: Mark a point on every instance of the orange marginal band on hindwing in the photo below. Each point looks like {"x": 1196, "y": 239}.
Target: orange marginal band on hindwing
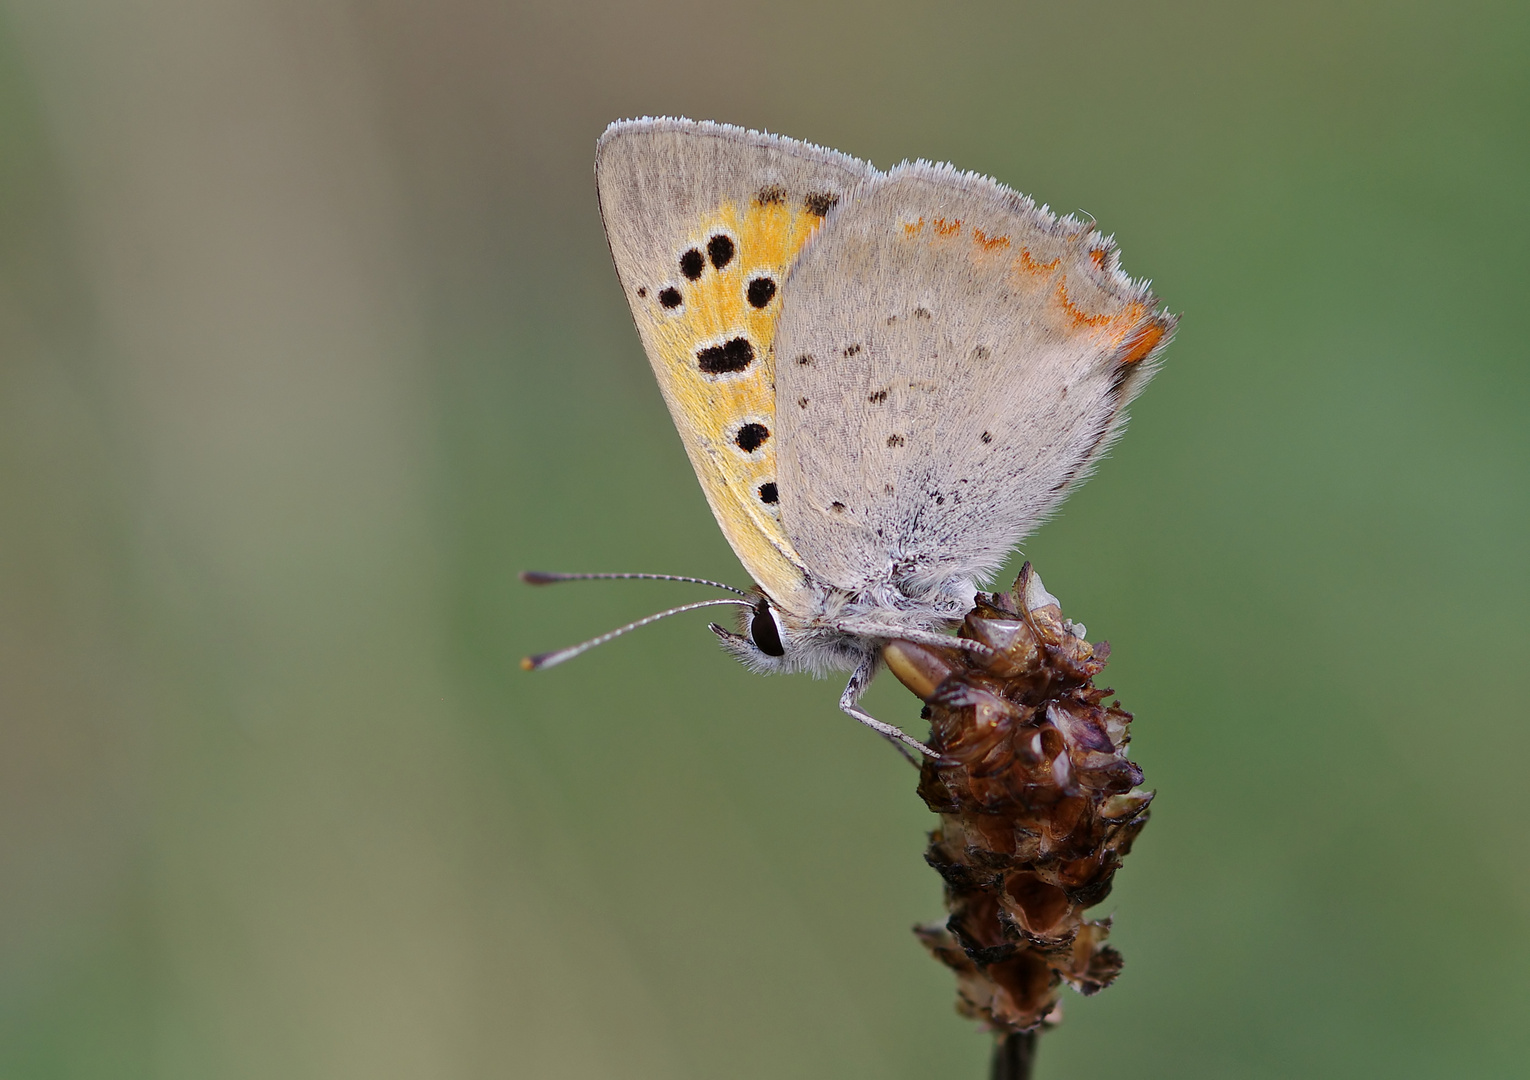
{"x": 1135, "y": 332}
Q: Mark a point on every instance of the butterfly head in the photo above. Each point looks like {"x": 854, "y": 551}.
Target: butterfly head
{"x": 771, "y": 640}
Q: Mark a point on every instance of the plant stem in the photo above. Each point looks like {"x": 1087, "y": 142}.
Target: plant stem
{"x": 1013, "y": 1056}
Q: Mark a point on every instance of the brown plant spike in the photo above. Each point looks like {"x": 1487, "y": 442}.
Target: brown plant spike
{"x": 1038, "y": 806}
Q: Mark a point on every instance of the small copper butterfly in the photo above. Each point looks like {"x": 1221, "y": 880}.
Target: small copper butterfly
{"x": 884, "y": 380}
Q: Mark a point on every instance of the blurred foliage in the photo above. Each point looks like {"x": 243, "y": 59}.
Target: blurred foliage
{"x": 309, "y": 342}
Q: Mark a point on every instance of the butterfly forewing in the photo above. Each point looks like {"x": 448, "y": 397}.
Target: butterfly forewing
{"x": 704, "y": 221}
{"x": 950, "y": 360}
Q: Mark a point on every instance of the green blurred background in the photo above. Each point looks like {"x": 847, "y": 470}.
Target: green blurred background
{"x": 309, "y": 342}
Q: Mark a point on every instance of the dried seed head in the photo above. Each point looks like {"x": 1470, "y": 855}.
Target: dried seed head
{"x": 1038, "y": 805}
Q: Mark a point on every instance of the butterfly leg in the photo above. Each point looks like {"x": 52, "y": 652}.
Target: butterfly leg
{"x": 918, "y": 637}
{"x": 861, "y": 679}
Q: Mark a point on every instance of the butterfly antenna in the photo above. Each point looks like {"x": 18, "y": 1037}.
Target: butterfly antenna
{"x": 548, "y": 659}
{"x": 543, "y": 577}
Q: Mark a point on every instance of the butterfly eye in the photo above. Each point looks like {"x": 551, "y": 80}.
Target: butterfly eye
{"x": 765, "y": 631}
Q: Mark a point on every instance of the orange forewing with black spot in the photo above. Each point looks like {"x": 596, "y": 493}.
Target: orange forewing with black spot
{"x": 704, "y": 222}
{"x": 717, "y": 351}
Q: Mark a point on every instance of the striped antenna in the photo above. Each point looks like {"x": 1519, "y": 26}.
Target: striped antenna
{"x": 544, "y": 577}
{"x": 548, "y": 659}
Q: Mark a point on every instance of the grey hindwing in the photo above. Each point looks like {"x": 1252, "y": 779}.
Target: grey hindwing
{"x": 936, "y": 395}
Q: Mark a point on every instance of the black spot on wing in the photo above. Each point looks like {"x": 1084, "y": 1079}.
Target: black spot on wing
{"x": 770, "y": 195}
{"x": 751, "y": 437}
{"x": 804, "y": 360}
{"x": 837, "y": 506}
{"x": 642, "y": 291}
{"x": 852, "y": 350}
{"x": 819, "y": 203}
{"x": 894, "y": 440}
{"x": 802, "y": 403}
{"x": 692, "y": 263}
{"x": 768, "y": 493}
{"x": 669, "y": 298}
{"x": 877, "y": 397}
{"x": 986, "y": 437}
{"x": 761, "y": 291}
{"x": 720, "y": 250}
{"x": 735, "y": 354}
{"x": 921, "y": 313}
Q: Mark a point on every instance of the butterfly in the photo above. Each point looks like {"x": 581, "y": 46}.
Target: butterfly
{"x": 883, "y": 380}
